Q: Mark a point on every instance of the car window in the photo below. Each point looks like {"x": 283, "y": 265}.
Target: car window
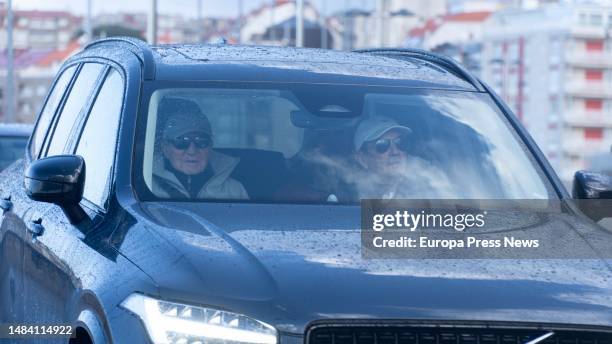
{"x": 99, "y": 139}
{"x": 75, "y": 103}
{"x": 49, "y": 109}
{"x": 295, "y": 143}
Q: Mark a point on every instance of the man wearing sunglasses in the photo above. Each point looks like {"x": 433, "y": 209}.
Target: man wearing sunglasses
{"x": 381, "y": 146}
{"x": 190, "y": 168}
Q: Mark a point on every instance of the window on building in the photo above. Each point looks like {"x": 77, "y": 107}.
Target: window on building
{"x": 594, "y": 45}
{"x": 593, "y": 104}
{"x": 593, "y": 133}
{"x": 596, "y": 19}
{"x": 593, "y": 74}
{"x": 22, "y": 21}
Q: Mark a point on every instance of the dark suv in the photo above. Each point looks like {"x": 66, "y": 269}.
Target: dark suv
{"x": 211, "y": 194}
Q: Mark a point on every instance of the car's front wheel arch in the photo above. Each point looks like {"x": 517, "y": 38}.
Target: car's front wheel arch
{"x": 88, "y": 329}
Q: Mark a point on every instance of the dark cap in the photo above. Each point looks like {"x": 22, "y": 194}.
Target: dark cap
{"x": 182, "y": 116}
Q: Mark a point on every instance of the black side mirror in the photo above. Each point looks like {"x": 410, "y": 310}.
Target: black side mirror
{"x": 594, "y": 194}
{"x": 590, "y": 185}
{"x": 59, "y": 180}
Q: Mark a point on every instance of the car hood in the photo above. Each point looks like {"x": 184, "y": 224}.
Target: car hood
{"x": 276, "y": 264}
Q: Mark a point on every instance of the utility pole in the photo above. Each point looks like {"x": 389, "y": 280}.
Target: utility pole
{"x": 323, "y": 24}
{"x": 299, "y": 25}
{"x": 380, "y": 10}
{"x": 152, "y": 23}
{"x": 272, "y": 20}
{"x": 10, "y": 80}
{"x": 347, "y": 27}
{"x": 88, "y": 23}
{"x": 199, "y": 19}
{"x": 240, "y": 23}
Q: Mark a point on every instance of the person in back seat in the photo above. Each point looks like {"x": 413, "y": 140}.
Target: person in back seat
{"x": 315, "y": 173}
{"x": 190, "y": 167}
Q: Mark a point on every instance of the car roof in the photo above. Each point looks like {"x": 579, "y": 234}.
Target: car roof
{"x": 287, "y": 64}
{"x": 405, "y": 67}
{"x": 16, "y": 129}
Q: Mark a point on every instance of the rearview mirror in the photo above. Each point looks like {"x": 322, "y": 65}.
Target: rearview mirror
{"x": 59, "y": 180}
{"x": 594, "y": 192}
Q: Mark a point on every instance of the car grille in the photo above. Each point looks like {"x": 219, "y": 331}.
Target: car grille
{"x": 380, "y": 334}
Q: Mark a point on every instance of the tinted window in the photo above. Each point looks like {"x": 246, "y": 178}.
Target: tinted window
{"x": 77, "y": 100}
{"x": 47, "y": 112}
{"x": 290, "y": 143}
{"x": 99, "y": 138}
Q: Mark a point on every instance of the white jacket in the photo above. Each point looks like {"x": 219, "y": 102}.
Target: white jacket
{"x": 219, "y": 186}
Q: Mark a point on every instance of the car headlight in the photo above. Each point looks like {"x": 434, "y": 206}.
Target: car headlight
{"x": 169, "y": 322}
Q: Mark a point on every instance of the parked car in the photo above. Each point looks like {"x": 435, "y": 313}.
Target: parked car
{"x": 210, "y": 194}
{"x": 13, "y": 140}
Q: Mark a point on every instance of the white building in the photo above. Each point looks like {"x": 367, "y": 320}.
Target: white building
{"x": 359, "y": 29}
{"x": 421, "y": 8}
{"x": 259, "y": 21}
{"x": 33, "y": 73}
{"x": 39, "y": 29}
{"x": 553, "y": 66}
{"x": 455, "y": 29}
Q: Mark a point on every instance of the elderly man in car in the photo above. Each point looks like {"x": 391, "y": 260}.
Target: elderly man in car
{"x": 381, "y": 146}
{"x": 190, "y": 167}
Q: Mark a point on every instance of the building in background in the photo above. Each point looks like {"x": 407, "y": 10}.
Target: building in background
{"x": 458, "y": 35}
{"x": 359, "y": 29}
{"x": 420, "y": 8}
{"x": 274, "y": 24}
{"x": 34, "y": 72}
{"x": 46, "y": 30}
{"x": 553, "y": 66}
{"x": 170, "y": 28}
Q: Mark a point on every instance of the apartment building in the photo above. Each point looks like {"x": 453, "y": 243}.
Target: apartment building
{"x": 553, "y": 66}
{"x": 458, "y": 35}
{"x": 39, "y": 29}
{"x": 34, "y": 72}
{"x": 359, "y": 29}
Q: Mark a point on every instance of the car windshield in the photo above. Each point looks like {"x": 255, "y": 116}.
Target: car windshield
{"x": 331, "y": 144}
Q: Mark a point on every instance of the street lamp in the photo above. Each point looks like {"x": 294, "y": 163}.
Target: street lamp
{"x": 152, "y": 23}
{"x": 299, "y": 27}
{"x": 10, "y": 81}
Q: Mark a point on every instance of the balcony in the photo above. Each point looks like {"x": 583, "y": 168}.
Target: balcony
{"x": 589, "y": 89}
{"x": 583, "y": 59}
{"x": 585, "y": 31}
{"x": 585, "y": 148}
{"x": 581, "y": 118}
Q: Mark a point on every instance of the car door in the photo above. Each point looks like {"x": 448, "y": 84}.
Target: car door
{"x": 15, "y": 204}
{"x": 48, "y": 277}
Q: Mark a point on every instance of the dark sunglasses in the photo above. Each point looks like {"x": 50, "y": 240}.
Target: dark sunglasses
{"x": 383, "y": 145}
{"x": 183, "y": 142}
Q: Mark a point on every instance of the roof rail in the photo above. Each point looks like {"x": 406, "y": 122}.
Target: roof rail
{"x": 443, "y": 61}
{"x": 139, "y": 47}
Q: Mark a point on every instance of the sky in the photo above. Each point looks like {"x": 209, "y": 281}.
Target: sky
{"x": 188, "y": 8}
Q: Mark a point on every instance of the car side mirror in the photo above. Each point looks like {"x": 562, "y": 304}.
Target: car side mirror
{"x": 59, "y": 180}
{"x": 593, "y": 192}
